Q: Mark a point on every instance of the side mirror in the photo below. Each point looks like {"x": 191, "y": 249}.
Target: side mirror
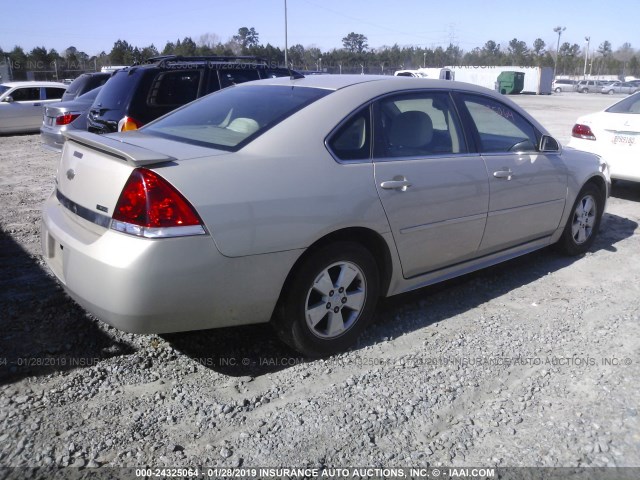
{"x": 549, "y": 144}
{"x": 8, "y": 99}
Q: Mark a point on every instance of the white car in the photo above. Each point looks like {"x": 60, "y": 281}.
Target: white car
{"x": 21, "y": 104}
{"x": 614, "y": 134}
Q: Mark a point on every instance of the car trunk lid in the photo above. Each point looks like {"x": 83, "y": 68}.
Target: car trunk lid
{"x": 94, "y": 169}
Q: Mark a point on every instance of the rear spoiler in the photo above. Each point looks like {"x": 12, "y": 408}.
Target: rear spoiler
{"x": 114, "y": 147}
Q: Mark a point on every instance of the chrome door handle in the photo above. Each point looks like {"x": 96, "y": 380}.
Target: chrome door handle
{"x": 37, "y": 104}
{"x": 401, "y": 185}
{"x": 503, "y": 174}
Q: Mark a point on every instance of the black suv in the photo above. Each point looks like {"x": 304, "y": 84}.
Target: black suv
{"x": 83, "y": 84}
{"x": 134, "y": 96}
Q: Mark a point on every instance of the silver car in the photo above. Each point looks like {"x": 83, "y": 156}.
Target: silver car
{"x": 300, "y": 201}
{"x": 64, "y": 116}
{"x": 619, "y": 87}
{"x": 21, "y": 104}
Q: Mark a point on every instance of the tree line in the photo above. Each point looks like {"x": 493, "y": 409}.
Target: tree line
{"x": 354, "y": 57}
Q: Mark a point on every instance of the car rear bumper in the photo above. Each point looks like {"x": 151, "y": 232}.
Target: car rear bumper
{"x": 159, "y": 285}
{"x": 52, "y": 140}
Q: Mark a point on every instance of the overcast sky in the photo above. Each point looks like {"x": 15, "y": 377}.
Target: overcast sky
{"x": 93, "y": 27}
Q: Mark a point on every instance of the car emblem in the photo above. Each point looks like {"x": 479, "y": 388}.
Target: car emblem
{"x": 71, "y": 174}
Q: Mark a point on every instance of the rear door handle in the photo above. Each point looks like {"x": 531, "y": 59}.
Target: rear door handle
{"x": 503, "y": 174}
{"x": 396, "y": 184}
{"x": 37, "y": 104}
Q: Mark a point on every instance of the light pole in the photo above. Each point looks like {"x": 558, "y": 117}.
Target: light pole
{"x": 424, "y": 60}
{"x": 586, "y": 56}
{"x": 559, "y": 31}
{"x": 285, "y": 34}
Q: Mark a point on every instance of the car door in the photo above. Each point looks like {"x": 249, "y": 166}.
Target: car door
{"x": 25, "y": 107}
{"x": 434, "y": 192}
{"x": 528, "y": 188}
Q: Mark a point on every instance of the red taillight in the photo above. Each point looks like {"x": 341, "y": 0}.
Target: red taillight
{"x": 149, "y": 206}
{"x": 66, "y": 118}
{"x": 582, "y": 131}
{"x": 127, "y": 124}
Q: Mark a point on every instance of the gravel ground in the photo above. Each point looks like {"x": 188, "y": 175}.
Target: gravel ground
{"x": 535, "y": 362}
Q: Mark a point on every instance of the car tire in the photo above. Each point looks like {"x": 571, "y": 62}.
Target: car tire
{"x": 584, "y": 90}
{"x": 610, "y": 92}
{"x": 328, "y": 300}
{"x": 558, "y": 90}
{"x": 583, "y": 222}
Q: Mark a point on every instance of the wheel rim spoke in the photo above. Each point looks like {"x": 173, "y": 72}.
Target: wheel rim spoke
{"x": 323, "y": 283}
{"x": 588, "y": 205}
{"x": 355, "y": 300}
{"x": 335, "y": 324}
{"x": 347, "y": 274}
{"x": 316, "y": 314}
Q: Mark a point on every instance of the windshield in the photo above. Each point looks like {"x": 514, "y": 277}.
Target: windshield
{"x": 4, "y": 88}
{"x": 630, "y": 104}
{"x": 231, "y": 118}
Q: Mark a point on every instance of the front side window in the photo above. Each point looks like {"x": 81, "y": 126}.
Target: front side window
{"x": 231, "y": 118}
{"x": 417, "y": 124}
{"x": 27, "y": 94}
{"x": 500, "y": 128}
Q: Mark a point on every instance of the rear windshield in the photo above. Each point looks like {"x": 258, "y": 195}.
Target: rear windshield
{"x": 630, "y": 104}
{"x": 90, "y": 95}
{"x": 231, "y": 118}
{"x": 117, "y": 92}
{"x": 77, "y": 84}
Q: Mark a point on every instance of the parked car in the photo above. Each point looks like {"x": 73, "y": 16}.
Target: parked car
{"x": 64, "y": 116}
{"x": 301, "y": 201}
{"x": 85, "y": 83}
{"x": 136, "y": 95}
{"x": 614, "y": 134}
{"x": 619, "y": 87}
{"x": 21, "y": 104}
{"x": 563, "y": 85}
{"x": 588, "y": 86}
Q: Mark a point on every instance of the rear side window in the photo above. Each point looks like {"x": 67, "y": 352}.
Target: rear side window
{"x": 352, "y": 141}
{"x": 26, "y": 94}
{"x": 231, "y": 118}
{"x": 175, "y": 88}
{"x": 54, "y": 93}
{"x": 417, "y": 124}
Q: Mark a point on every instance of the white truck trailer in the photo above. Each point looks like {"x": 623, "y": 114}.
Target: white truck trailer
{"x": 537, "y": 80}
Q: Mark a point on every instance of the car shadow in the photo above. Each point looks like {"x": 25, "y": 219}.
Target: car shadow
{"x": 255, "y": 350}
{"x": 41, "y": 329}
{"x": 625, "y": 190}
